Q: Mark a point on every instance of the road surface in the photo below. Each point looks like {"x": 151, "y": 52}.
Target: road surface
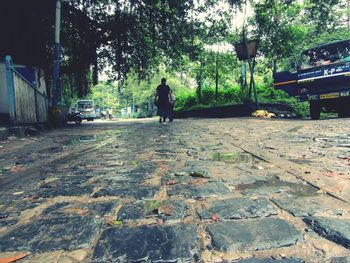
{"x": 195, "y": 190}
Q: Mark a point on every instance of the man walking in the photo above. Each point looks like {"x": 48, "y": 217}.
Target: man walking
{"x": 163, "y": 100}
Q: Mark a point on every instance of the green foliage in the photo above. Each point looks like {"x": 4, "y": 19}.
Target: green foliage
{"x": 267, "y": 94}
{"x": 141, "y": 93}
{"x": 279, "y": 28}
{"x": 105, "y": 95}
{"x": 144, "y": 41}
{"x": 189, "y": 100}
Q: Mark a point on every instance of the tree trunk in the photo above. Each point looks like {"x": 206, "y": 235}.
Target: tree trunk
{"x": 348, "y": 14}
{"x": 216, "y": 77}
{"x": 200, "y": 82}
{"x": 95, "y": 70}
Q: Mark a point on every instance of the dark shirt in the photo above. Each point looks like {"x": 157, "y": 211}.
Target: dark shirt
{"x": 163, "y": 94}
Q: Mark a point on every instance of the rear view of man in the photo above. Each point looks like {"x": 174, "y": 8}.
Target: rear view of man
{"x": 163, "y": 100}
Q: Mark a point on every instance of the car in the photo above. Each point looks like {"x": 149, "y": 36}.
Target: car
{"x": 86, "y": 109}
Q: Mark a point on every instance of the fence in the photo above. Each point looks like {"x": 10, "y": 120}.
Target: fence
{"x": 27, "y": 105}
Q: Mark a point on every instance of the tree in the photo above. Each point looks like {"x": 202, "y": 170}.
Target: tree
{"x": 278, "y": 28}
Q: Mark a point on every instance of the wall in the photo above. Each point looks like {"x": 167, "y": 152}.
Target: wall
{"x": 3, "y": 89}
{"x": 41, "y": 85}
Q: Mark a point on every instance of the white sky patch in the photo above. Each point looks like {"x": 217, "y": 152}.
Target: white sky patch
{"x": 238, "y": 15}
{"x": 220, "y": 47}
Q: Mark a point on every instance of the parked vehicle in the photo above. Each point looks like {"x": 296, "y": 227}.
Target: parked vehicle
{"x": 322, "y": 78}
{"x": 74, "y": 116}
{"x": 86, "y": 109}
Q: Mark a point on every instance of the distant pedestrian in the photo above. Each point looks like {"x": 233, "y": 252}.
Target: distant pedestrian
{"x": 163, "y": 100}
{"x": 110, "y": 113}
{"x": 171, "y": 113}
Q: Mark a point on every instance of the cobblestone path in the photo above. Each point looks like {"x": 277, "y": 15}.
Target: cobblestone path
{"x": 183, "y": 192}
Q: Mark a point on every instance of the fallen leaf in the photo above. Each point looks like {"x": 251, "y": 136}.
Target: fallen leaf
{"x": 13, "y": 258}
{"x": 171, "y": 182}
{"x": 15, "y": 169}
{"x": 199, "y": 182}
{"x": 322, "y": 191}
{"x": 196, "y": 174}
{"x": 18, "y": 193}
{"x": 337, "y": 175}
{"x": 159, "y": 221}
{"x": 117, "y": 223}
{"x": 344, "y": 158}
{"x": 214, "y": 217}
{"x": 32, "y": 197}
{"x": 164, "y": 167}
{"x": 166, "y": 209}
{"x": 76, "y": 211}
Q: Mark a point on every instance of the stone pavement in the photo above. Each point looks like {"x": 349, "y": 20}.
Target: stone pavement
{"x": 182, "y": 192}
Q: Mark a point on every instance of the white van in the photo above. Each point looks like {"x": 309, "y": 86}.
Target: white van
{"x": 86, "y": 109}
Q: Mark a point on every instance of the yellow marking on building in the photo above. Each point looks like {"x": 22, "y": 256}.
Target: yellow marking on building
{"x": 285, "y": 82}
{"x": 329, "y": 96}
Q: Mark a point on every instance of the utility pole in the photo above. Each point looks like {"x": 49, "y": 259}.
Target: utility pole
{"x": 57, "y": 92}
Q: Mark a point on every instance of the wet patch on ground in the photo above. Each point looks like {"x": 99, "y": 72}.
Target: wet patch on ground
{"x": 202, "y": 190}
{"x": 233, "y": 157}
{"x": 333, "y": 229}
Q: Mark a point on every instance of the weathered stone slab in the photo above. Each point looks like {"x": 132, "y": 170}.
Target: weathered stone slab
{"x": 239, "y": 179}
{"x": 4, "y": 214}
{"x": 147, "y": 244}
{"x": 97, "y": 208}
{"x": 18, "y": 206}
{"x": 65, "y": 186}
{"x": 51, "y": 234}
{"x": 302, "y": 207}
{"x": 333, "y": 229}
{"x": 141, "y": 172}
{"x": 270, "y": 260}
{"x": 255, "y": 234}
{"x": 340, "y": 260}
{"x": 63, "y": 190}
{"x": 274, "y": 185}
{"x": 237, "y": 208}
{"x": 168, "y": 210}
{"x": 177, "y": 179}
{"x": 128, "y": 190}
{"x": 195, "y": 171}
{"x": 8, "y": 222}
{"x": 208, "y": 189}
